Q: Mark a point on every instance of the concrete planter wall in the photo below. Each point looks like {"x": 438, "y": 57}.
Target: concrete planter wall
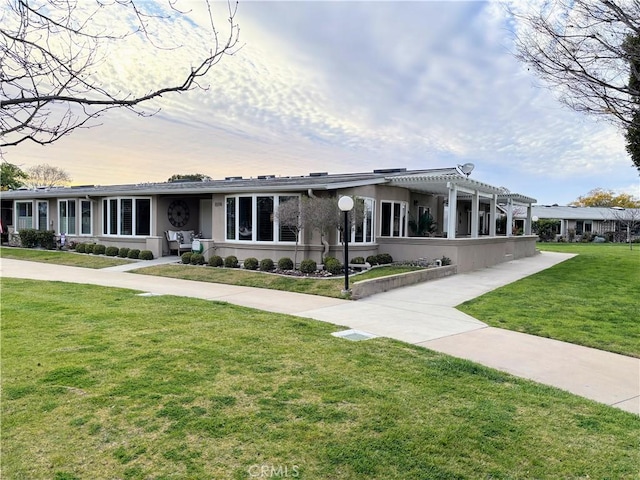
{"x": 366, "y": 288}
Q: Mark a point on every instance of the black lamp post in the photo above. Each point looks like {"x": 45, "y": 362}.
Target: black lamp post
{"x": 346, "y": 205}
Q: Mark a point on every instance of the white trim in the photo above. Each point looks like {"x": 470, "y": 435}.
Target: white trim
{"x": 134, "y": 211}
{"x": 254, "y": 218}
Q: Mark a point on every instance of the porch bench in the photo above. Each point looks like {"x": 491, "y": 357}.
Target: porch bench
{"x": 179, "y": 240}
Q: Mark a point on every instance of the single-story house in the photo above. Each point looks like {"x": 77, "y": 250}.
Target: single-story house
{"x": 236, "y": 216}
{"x": 574, "y": 222}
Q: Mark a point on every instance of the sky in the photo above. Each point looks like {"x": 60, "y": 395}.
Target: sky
{"x": 345, "y": 86}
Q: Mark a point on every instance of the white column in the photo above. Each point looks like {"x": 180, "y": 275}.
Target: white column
{"x": 509, "y": 226}
{"x": 492, "y": 216}
{"x": 452, "y": 221}
{"x": 475, "y": 214}
{"x": 527, "y": 223}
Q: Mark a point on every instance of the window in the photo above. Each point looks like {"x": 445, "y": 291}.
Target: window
{"x": 126, "y": 216}
{"x": 362, "y": 232}
{"x": 86, "y": 216}
{"x": 24, "y": 215}
{"x": 394, "y": 219}
{"x": 287, "y": 234}
{"x": 43, "y": 215}
{"x": 252, "y": 219}
{"x": 67, "y": 215}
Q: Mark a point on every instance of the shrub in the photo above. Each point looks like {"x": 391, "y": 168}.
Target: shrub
{"x": 372, "y": 260}
{"x": 308, "y": 266}
{"x": 231, "y": 262}
{"x": 47, "y": 239}
{"x": 384, "y": 258}
{"x": 250, "y": 263}
{"x": 357, "y": 261}
{"x": 266, "y": 265}
{"x": 216, "y": 261}
{"x": 146, "y": 255}
{"x": 111, "y": 251}
{"x": 332, "y": 265}
{"x": 28, "y": 238}
{"x": 285, "y": 263}
{"x": 134, "y": 253}
{"x": 88, "y": 247}
{"x": 99, "y": 249}
{"x": 445, "y": 261}
{"x": 123, "y": 252}
{"x": 197, "y": 259}
{"x": 186, "y": 257}
{"x": 80, "y": 248}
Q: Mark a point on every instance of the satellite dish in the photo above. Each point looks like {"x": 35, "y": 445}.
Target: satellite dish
{"x": 466, "y": 169}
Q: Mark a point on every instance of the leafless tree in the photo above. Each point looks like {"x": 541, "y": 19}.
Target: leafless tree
{"x": 290, "y": 215}
{"x": 52, "y": 52}
{"x": 587, "y": 50}
{"x": 47, "y": 176}
{"x": 629, "y": 221}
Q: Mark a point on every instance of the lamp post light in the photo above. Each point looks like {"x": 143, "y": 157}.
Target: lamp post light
{"x": 346, "y": 205}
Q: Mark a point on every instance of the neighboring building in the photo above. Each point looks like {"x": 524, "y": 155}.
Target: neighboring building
{"x": 575, "y": 222}
{"x": 236, "y": 216}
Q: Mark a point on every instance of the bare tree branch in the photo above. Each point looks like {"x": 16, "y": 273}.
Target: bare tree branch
{"x": 581, "y": 49}
{"x": 51, "y": 52}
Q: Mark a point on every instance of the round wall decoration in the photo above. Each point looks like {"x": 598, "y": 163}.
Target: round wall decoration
{"x": 178, "y": 213}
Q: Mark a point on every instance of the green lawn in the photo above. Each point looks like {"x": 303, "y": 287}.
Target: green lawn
{"x": 61, "y": 258}
{"x": 98, "y": 383}
{"x": 589, "y": 300}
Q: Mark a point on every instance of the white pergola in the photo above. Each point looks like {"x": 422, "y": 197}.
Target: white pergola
{"x": 454, "y": 185}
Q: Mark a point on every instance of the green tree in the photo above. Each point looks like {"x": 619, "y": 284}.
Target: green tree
{"x": 11, "y": 176}
{"x": 189, "y": 177}
{"x": 632, "y": 135}
{"x": 599, "y": 197}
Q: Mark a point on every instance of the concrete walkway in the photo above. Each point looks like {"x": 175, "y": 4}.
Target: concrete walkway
{"x": 421, "y": 314}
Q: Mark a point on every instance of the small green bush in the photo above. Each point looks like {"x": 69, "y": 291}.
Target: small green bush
{"x": 384, "y": 258}
{"x": 266, "y": 265}
{"x": 99, "y": 249}
{"x": 134, "y": 253}
{"x": 47, "y": 239}
{"x": 186, "y": 258}
{"x": 197, "y": 259}
{"x": 216, "y": 261}
{"x": 250, "y": 263}
{"x": 332, "y": 265}
{"x": 372, "y": 260}
{"x": 146, "y": 255}
{"x": 28, "y": 238}
{"x": 88, "y": 247}
{"x": 231, "y": 262}
{"x": 308, "y": 266}
{"x": 123, "y": 252}
{"x": 80, "y": 248}
{"x": 285, "y": 263}
{"x": 357, "y": 260}
{"x": 445, "y": 261}
{"x": 112, "y": 251}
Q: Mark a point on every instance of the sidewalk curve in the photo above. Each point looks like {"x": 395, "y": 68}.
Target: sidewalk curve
{"x": 422, "y": 314}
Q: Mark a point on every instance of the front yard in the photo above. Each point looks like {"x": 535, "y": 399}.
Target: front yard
{"x": 100, "y": 383}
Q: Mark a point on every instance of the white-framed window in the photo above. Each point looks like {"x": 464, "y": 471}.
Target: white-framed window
{"x": 363, "y": 230}
{"x": 67, "y": 217}
{"x": 126, "y": 216}
{"x": 24, "y": 215}
{"x": 86, "y": 217}
{"x": 252, "y": 218}
{"x": 42, "y": 220}
{"x": 393, "y": 218}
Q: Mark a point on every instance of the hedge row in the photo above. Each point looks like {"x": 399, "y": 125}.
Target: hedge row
{"x": 112, "y": 251}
